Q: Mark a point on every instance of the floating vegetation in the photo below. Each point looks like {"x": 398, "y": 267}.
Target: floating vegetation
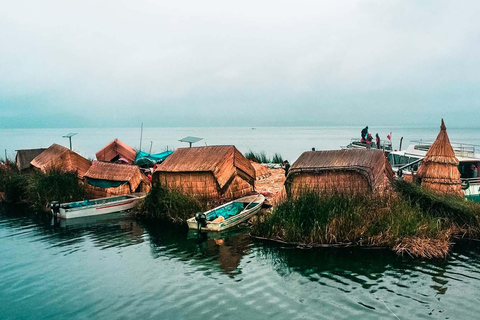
{"x": 412, "y": 221}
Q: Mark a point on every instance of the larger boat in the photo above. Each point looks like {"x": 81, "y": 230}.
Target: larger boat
{"x": 95, "y": 207}
{"x": 385, "y": 145}
{"x": 406, "y": 163}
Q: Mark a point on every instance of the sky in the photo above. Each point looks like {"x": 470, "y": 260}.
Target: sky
{"x": 115, "y": 63}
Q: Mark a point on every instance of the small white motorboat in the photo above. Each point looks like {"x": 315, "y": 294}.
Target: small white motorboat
{"x": 95, "y": 207}
{"x": 227, "y": 215}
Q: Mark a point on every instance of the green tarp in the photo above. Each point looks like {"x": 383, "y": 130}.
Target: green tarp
{"x": 142, "y": 156}
{"x": 105, "y": 184}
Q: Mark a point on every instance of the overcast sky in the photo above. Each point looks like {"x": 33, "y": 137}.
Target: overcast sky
{"x": 113, "y": 63}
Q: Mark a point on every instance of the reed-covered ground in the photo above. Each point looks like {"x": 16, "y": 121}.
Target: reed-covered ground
{"x": 37, "y": 188}
{"x": 412, "y": 221}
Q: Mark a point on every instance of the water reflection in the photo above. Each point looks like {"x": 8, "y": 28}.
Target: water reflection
{"x": 221, "y": 250}
{"x": 103, "y": 231}
{"x": 127, "y": 268}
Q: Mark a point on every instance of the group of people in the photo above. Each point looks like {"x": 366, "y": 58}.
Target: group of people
{"x": 368, "y": 139}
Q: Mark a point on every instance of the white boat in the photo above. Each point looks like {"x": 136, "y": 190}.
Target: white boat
{"x": 96, "y": 207}
{"x": 385, "y": 145}
{"x": 227, "y": 215}
{"x": 406, "y": 162}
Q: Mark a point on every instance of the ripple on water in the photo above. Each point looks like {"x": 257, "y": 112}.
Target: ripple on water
{"x": 123, "y": 270}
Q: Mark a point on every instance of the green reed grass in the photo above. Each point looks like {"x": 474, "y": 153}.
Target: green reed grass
{"x": 316, "y": 218}
{"x": 261, "y": 157}
{"x": 165, "y": 204}
{"x": 37, "y": 188}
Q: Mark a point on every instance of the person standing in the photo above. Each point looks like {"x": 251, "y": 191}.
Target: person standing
{"x": 474, "y": 171}
{"x": 377, "y": 140}
{"x": 364, "y": 134}
{"x": 286, "y": 166}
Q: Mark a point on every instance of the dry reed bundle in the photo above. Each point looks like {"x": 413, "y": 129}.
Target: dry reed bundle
{"x": 438, "y": 171}
{"x": 428, "y": 248}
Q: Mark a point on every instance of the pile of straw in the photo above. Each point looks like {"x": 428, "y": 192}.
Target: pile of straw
{"x": 438, "y": 171}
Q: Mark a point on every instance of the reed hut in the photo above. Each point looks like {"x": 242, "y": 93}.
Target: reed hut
{"x": 25, "y": 156}
{"x": 117, "y": 150}
{"x": 61, "y": 158}
{"x": 216, "y": 172}
{"x": 105, "y": 179}
{"x": 438, "y": 171}
{"x": 350, "y": 171}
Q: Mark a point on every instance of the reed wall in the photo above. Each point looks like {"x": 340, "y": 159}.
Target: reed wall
{"x": 330, "y": 182}
{"x": 204, "y": 185}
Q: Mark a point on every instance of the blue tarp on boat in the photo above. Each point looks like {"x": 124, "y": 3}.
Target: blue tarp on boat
{"x": 227, "y": 211}
{"x": 143, "y": 157}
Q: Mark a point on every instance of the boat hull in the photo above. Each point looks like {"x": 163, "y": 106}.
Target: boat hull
{"x": 232, "y": 221}
{"x": 100, "y": 207}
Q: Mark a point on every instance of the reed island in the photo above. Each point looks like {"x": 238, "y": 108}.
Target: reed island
{"x": 335, "y": 198}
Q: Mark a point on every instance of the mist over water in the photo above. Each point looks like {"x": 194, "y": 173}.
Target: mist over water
{"x": 290, "y": 142}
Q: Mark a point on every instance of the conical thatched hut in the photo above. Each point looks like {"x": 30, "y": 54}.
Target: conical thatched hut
{"x": 105, "y": 179}
{"x": 25, "y": 156}
{"x": 350, "y": 171}
{"x": 438, "y": 171}
{"x": 61, "y": 158}
{"x": 116, "y": 150}
{"x": 211, "y": 172}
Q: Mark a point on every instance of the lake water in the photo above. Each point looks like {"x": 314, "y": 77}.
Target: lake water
{"x": 122, "y": 269}
{"x": 290, "y": 142}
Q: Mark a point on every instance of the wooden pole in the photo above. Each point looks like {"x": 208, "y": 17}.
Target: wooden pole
{"x": 141, "y": 136}
{"x": 151, "y": 143}
{"x": 5, "y": 154}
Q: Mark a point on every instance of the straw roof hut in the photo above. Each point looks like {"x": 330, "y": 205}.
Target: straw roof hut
{"x": 438, "y": 171}
{"x": 59, "y": 157}
{"x": 211, "y": 172}
{"x": 25, "y": 156}
{"x": 116, "y": 150}
{"x": 105, "y": 179}
{"x": 350, "y": 171}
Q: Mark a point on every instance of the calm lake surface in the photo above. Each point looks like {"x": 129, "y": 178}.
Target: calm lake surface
{"x": 290, "y": 142}
{"x": 122, "y": 269}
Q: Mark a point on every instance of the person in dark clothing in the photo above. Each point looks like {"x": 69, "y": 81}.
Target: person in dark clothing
{"x": 364, "y": 134}
{"x": 377, "y": 140}
{"x": 286, "y": 166}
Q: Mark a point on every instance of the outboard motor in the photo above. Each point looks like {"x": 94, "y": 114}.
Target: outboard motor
{"x": 201, "y": 220}
{"x": 55, "y": 208}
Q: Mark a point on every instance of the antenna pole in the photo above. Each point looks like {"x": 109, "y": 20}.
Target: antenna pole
{"x": 151, "y": 143}
{"x": 141, "y": 136}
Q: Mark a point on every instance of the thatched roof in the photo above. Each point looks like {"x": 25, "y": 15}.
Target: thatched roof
{"x": 116, "y": 149}
{"x": 371, "y": 164}
{"x": 25, "y": 156}
{"x": 61, "y": 158}
{"x": 221, "y": 161}
{"x": 117, "y": 172}
{"x": 438, "y": 170}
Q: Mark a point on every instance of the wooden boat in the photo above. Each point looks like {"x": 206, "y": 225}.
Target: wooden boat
{"x": 227, "y": 215}
{"x": 96, "y": 206}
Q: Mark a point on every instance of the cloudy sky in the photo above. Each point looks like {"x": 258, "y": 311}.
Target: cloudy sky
{"x": 93, "y": 63}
